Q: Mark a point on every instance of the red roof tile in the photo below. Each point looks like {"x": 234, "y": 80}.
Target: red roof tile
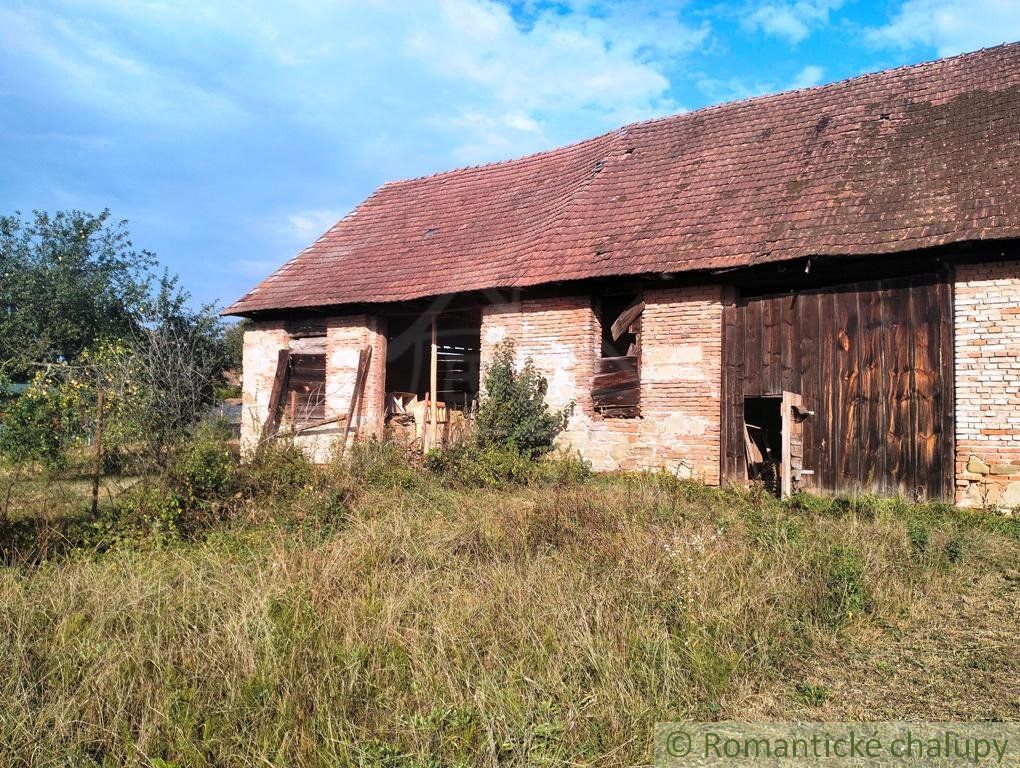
{"x": 899, "y": 160}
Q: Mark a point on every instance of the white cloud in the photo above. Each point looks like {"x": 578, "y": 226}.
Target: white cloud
{"x": 252, "y": 120}
{"x": 792, "y": 21}
{"x": 950, "y": 26}
{"x": 810, "y": 76}
{"x": 736, "y": 88}
{"x": 306, "y": 226}
{"x": 395, "y": 76}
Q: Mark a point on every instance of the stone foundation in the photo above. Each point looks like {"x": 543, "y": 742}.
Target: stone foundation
{"x": 987, "y": 351}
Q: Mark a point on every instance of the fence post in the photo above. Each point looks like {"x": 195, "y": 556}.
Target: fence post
{"x": 97, "y": 452}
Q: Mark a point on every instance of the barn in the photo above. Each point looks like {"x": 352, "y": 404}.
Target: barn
{"x": 819, "y": 289}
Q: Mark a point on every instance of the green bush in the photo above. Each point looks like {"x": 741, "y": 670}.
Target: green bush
{"x": 477, "y": 466}
{"x": 513, "y": 415}
{"x": 33, "y": 426}
{"x": 204, "y": 467}
{"x": 278, "y": 470}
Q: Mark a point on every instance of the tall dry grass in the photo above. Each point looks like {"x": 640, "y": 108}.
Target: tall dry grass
{"x": 411, "y": 623}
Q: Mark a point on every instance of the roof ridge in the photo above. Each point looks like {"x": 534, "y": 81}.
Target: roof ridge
{"x": 623, "y": 129}
{"x": 763, "y": 97}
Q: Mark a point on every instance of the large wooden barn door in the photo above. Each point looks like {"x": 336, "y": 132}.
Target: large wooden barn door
{"x": 873, "y": 364}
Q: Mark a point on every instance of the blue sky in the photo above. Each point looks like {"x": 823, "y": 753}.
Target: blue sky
{"x": 231, "y": 135}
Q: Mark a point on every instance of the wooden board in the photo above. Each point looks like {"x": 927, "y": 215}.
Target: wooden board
{"x": 616, "y": 386}
{"x": 276, "y": 393}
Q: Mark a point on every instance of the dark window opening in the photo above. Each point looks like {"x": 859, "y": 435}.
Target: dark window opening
{"x": 616, "y": 387}
{"x": 304, "y": 396}
{"x": 610, "y": 309}
{"x": 409, "y": 359}
{"x": 763, "y": 441}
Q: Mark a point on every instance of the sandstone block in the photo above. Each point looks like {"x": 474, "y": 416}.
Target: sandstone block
{"x": 978, "y": 467}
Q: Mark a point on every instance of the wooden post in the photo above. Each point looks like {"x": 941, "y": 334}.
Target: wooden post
{"x": 97, "y": 452}
{"x": 425, "y": 425}
{"x": 279, "y": 383}
{"x": 434, "y": 379}
{"x": 293, "y": 410}
{"x": 364, "y": 360}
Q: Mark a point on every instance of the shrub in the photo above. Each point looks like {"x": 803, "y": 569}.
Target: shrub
{"x": 277, "y": 470}
{"x": 204, "y": 466}
{"x": 477, "y": 466}
{"x": 513, "y": 414}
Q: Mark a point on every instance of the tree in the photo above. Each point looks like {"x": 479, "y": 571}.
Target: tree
{"x": 81, "y": 312}
{"x": 65, "y": 281}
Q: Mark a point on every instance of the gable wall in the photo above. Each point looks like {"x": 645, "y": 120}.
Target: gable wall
{"x": 987, "y": 342}
{"x": 681, "y": 370}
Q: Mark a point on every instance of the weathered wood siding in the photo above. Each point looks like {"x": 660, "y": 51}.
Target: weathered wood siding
{"x": 873, "y": 360}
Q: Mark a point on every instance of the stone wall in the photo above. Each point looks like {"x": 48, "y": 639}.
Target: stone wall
{"x": 987, "y": 341}
{"x": 681, "y": 374}
{"x": 345, "y": 338}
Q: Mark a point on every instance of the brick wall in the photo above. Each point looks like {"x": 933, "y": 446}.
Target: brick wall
{"x": 345, "y": 338}
{"x": 987, "y": 339}
{"x": 681, "y": 372}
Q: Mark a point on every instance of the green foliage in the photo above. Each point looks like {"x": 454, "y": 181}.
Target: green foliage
{"x": 473, "y": 466}
{"x": 204, "y": 467}
{"x": 78, "y": 301}
{"x": 846, "y": 591}
{"x": 480, "y": 466}
{"x": 378, "y": 465}
{"x": 68, "y": 279}
{"x": 161, "y": 511}
{"x": 809, "y": 503}
{"x": 954, "y": 548}
{"x": 562, "y": 469}
{"x": 812, "y": 695}
{"x": 513, "y": 414}
{"x": 919, "y": 534}
{"x": 35, "y": 426}
{"x": 278, "y": 470}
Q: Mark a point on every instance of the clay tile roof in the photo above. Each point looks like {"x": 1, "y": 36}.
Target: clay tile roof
{"x": 904, "y": 159}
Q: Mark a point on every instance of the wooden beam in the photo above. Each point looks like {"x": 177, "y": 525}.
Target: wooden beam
{"x": 279, "y": 382}
{"x": 434, "y": 377}
{"x": 364, "y": 360}
{"x": 627, "y": 318}
{"x": 313, "y": 425}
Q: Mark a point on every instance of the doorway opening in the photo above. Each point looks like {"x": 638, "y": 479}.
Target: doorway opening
{"x": 433, "y": 367}
{"x": 763, "y": 441}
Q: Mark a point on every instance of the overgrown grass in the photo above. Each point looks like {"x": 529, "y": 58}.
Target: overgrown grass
{"x": 379, "y": 613}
